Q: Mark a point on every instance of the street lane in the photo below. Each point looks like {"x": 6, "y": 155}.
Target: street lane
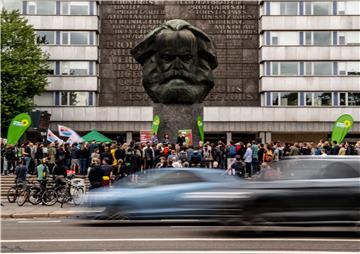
{"x": 75, "y": 235}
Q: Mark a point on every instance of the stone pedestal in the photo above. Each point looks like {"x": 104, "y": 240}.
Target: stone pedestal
{"x": 175, "y": 117}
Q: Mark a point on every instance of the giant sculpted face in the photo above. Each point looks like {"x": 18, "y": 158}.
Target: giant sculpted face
{"x": 177, "y": 61}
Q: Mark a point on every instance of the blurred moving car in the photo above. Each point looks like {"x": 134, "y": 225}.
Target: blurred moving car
{"x": 297, "y": 191}
{"x": 304, "y": 190}
{"x": 167, "y": 193}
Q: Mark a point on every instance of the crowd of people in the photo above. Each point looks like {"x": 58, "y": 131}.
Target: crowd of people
{"x": 104, "y": 161}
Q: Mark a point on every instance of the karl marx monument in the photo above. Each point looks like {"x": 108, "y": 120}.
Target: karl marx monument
{"x": 177, "y": 60}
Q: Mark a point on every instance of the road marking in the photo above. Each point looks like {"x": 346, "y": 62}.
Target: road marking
{"x": 200, "y": 252}
{"x": 181, "y": 240}
{"x": 38, "y": 221}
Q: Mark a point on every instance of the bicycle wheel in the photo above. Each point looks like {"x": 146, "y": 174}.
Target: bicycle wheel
{"x": 23, "y": 197}
{"x": 12, "y": 194}
{"x": 62, "y": 195}
{"x": 35, "y": 196}
{"x": 49, "y": 197}
{"x": 77, "y": 196}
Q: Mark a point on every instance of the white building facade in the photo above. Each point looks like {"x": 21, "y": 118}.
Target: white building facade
{"x": 309, "y": 58}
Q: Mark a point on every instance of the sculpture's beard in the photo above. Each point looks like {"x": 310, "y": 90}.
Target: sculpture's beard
{"x": 178, "y": 86}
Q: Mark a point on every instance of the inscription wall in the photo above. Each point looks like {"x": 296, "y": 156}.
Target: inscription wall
{"x": 233, "y": 25}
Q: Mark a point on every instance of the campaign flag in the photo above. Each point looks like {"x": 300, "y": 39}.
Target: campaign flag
{"x": 19, "y": 124}
{"x": 74, "y": 138}
{"x": 51, "y": 137}
{"x": 65, "y": 131}
{"x": 341, "y": 127}
{"x": 200, "y": 125}
{"x": 156, "y": 123}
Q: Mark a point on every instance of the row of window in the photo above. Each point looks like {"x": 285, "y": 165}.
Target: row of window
{"x": 41, "y": 7}
{"x": 317, "y": 8}
{"x": 66, "y": 37}
{"x": 73, "y": 68}
{"x": 312, "y": 99}
{"x": 328, "y": 68}
{"x": 320, "y": 38}
{"x": 65, "y": 99}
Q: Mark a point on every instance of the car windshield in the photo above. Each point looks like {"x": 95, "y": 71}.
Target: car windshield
{"x": 295, "y": 169}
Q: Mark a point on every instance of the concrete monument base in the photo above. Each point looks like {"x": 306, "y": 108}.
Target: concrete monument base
{"x": 175, "y": 117}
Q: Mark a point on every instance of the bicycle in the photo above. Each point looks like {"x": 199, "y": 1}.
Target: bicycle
{"x": 14, "y": 191}
{"x": 72, "y": 191}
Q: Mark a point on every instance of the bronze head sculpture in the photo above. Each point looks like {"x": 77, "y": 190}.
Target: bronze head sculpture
{"x": 177, "y": 60}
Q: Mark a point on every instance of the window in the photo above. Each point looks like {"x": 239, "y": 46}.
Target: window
{"x": 348, "y": 8}
{"x": 308, "y": 99}
{"x": 322, "y": 68}
{"x": 74, "y": 98}
{"x": 64, "y": 98}
{"x": 284, "y": 8}
{"x": 45, "y": 99}
{"x": 41, "y": 7}
{"x": 74, "y": 68}
{"x": 75, "y": 8}
{"x": 349, "y": 68}
{"x": 342, "y": 99}
{"x": 11, "y": 5}
{"x": 78, "y": 98}
{"x": 275, "y": 99}
{"x": 284, "y": 68}
{"x": 51, "y": 68}
{"x": 75, "y": 38}
{"x": 322, "y": 99}
{"x": 318, "y": 8}
{"x": 289, "y": 68}
{"x": 354, "y": 99}
{"x": 45, "y": 37}
{"x": 321, "y": 38}
{"x": 349, "y": 38}
{"x": 284, "y": 38}
{"x": 289, "y": 99}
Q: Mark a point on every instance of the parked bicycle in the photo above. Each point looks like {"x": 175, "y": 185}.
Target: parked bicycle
{"x": 14, "y": 192}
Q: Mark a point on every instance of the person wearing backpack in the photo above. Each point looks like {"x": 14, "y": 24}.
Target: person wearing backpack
{"x": 196, "y": 158}
{"x": 231, "y": 153}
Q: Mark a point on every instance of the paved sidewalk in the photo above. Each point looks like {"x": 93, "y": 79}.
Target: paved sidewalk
{"x": 12, "y": 210}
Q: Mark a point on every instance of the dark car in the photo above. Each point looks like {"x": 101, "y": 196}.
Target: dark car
{"x": 307, "y": 190}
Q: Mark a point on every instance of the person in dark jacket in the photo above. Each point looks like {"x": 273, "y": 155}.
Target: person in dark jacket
{"x": 20, "y": 172}
{"x": 10, "y": 158}
{"x": 95, "y": 175}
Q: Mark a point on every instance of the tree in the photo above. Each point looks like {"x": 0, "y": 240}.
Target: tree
{"x": 23, "y": 67}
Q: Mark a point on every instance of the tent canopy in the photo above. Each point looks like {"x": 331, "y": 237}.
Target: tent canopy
{"x": 95, "y": 135}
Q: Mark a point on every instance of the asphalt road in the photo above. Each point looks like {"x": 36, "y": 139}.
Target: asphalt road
{"x": 66, "y": 235}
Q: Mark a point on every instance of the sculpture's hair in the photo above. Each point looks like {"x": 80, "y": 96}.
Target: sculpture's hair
{"x": 146, "y": 48}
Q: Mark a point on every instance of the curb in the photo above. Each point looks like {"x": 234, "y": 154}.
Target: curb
{"x": 55, "y": 214}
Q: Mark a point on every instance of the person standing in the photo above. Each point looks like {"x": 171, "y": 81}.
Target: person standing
{"x": 107, "y": 170}
{"x": 95, "y": 175}
{"x": 248, "y": 159}
{"x": 51, "y": 156}
{"x": 255, "y": 157}
{"x": 11, "y": 159}
{"x": 231, "y": 153}
{"x": 83, "y": 158}
{"x": 42, "y": 173}
{"x": 149, "y": 156}
{"x": 20, "y": 172}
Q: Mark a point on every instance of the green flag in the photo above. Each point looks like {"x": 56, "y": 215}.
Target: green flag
{"x": 341, "y": 128}
{"x": 200, "y": 125}
{"x": 17, "y": 127}
{"x": 156, "y": 123}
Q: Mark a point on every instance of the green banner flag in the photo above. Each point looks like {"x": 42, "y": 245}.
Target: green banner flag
{"x": 341, "y": 128}
{"x": 155, "y": 125}
{"x": 200, "y": 125}
{"x": 17, "y": 127}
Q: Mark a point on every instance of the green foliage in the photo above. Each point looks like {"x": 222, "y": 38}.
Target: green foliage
{"x": 23, "y": 67}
